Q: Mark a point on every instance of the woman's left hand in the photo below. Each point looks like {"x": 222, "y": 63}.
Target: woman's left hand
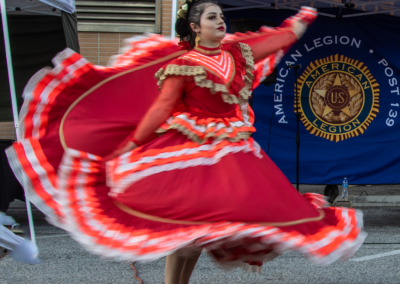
{"x": 299, "y": 27}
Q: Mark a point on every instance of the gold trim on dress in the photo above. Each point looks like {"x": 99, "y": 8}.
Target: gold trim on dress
{"x": 208, "y": 52}
{"x": 145, "y": 216}
{"x": 248, "y": 55}
{"x": 249, "y": 67}
{"x": 243, "y": 135}
{"x": 245, "y": 93}
{"x": 173, "y": 69}
{"x": 199, "y": 74}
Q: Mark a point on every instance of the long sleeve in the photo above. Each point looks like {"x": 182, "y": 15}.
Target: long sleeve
{"x": 266, "y": 43}
{"x": 161, "y": 109}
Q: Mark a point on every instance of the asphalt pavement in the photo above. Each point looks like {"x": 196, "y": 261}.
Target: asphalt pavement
{"x": 66, "y": 262}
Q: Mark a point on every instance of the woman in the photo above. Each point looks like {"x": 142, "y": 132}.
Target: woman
{"x": 203, "y": 182}
{"x": 229, "y": 179}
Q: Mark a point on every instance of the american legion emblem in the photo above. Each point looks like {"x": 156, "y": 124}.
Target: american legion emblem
{"x": 339, "y": 98}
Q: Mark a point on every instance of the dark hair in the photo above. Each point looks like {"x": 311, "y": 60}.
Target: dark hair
{"x": 195, "y": 10}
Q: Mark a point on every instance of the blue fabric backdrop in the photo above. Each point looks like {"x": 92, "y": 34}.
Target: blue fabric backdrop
{"x": 369, "y": 158}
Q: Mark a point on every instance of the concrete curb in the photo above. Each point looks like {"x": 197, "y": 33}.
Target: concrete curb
{"x": 368, "y": 201}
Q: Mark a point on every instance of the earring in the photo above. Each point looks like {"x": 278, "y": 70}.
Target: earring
{"x": 197, "y": 40}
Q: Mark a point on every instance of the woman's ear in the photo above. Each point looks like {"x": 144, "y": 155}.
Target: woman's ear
{"x": 195, "y": 27}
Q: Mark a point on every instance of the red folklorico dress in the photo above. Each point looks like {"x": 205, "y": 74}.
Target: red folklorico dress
{"x": 197, "y": 179}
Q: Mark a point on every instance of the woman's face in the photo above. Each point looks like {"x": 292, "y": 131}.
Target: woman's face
{"x": 212, "y": 26}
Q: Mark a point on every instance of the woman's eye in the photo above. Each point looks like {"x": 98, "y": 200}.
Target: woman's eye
{"x": 212, "y": 18}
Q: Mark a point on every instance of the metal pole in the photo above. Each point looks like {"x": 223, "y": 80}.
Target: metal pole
{"x": 173, "y": 17}
{"x": 14, "y": 103}
{"x": 298, "y": 133}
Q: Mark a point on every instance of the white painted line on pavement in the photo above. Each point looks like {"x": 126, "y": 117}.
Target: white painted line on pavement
{"x": 52, "y": 236}
{"x": 379, "y": 255}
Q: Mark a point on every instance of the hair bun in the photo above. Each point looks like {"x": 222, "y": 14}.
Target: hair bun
{"x": 182, "y": 28}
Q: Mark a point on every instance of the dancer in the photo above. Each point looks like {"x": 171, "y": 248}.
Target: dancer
{"x": 182, "y": 172}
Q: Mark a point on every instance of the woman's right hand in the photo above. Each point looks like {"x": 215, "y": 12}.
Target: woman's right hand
{"x": 302, "y": 20}
{"x": 128, "y": 147}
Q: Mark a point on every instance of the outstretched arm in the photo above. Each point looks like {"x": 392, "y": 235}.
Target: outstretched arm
{"x": 269, "y": 43}
{"x": 266, "y": 43}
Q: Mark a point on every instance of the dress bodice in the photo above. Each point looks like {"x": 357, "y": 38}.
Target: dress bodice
{"x": 197, "y": 99}
{"x": 204, "y": 92}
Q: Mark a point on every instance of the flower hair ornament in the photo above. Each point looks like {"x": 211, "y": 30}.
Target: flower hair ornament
{"x": 184, "y": 8}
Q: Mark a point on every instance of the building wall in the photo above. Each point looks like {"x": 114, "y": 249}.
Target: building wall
{"x": 166, "y": 16}
{"x": 7, "y": 130}
{"x": 98, "y": 47}
{"x": 166, "y": 9}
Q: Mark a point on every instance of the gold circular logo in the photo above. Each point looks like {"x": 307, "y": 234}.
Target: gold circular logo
{"x": 338, "y": 98}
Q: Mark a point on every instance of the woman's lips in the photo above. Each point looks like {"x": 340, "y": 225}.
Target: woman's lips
{"x": 221, "y": 29}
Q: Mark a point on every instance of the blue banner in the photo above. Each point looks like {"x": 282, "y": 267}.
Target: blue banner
{"x": 349, "y": 101}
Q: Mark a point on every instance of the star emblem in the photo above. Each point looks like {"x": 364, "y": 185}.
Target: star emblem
{"x": 337, "y": 97}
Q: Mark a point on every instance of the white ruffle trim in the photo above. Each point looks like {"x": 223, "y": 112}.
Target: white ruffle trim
{"x": 120, "y": 185}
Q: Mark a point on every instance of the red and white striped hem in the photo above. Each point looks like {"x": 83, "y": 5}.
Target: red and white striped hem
{"x": 130, "y": 167}
{"x": 106, "y": 237}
